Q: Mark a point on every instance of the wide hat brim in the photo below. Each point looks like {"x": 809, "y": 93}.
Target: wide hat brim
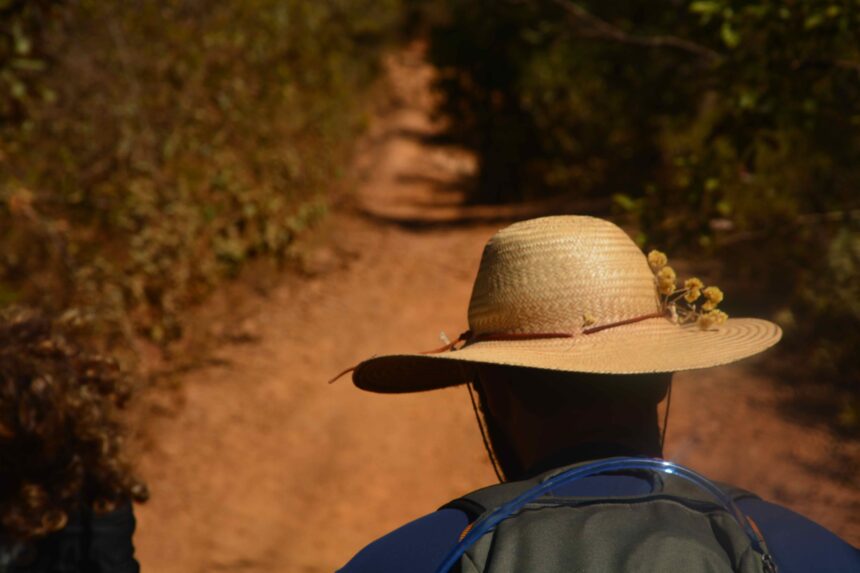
{"x": 655, "y": 345}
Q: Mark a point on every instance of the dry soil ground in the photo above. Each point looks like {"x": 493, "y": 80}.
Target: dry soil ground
{"x": 265, "y": 467}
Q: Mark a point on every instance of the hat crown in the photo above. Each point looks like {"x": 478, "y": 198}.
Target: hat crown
{"x": 547, "y": 274}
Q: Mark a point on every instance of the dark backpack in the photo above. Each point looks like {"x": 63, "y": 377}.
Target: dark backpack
{"x": 686, "y": 524}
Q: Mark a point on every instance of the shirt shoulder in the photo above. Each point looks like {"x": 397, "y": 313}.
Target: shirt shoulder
{"x": 798, "y": 544}
{"x": 418, "y": 546}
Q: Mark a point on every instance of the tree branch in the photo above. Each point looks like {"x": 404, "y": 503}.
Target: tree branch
{"x": 595, "y": 27}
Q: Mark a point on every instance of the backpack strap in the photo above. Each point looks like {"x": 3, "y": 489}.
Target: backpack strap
{"x": 738, "y": 494}
{"x": 480, "y": 501}
{"x": 735, "y": 492}
{"x": 488, "y": 498}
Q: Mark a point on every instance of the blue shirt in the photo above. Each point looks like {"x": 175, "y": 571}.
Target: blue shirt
{"x": 797, "y": 544}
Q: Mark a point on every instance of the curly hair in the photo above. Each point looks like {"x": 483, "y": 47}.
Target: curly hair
{"x": 60, "y": 436}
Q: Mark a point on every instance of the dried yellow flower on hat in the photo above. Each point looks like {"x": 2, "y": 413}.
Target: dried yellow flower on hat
{"x": 714, "y": 297}
{"x": 712, "y": 318}
{"x": 666, "y": 280}
{"x": 657, "y": 260}
{"x": 705, "y": 321}
{"x": 666, "y": 287}
{"x": 667, "y": 273}
{"x": 680, "y": 306}
{"x": 693, "y": 287}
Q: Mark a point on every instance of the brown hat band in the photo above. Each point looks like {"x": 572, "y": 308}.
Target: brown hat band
{"x": 469, "y": 336}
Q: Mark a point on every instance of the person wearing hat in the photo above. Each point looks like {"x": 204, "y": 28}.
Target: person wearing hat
{"x": 573, "y": 338}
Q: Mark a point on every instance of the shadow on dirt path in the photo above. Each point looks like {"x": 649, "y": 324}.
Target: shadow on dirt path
{"x": 266, "y": 467}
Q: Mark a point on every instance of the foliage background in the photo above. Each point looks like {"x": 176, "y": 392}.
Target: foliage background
{"x": 148, "y": 149}
{"x": 720, "y": 128}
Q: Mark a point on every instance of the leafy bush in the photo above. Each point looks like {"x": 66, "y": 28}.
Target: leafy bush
{"x": 148, "y": 149}
{"x": 720, "y": 125}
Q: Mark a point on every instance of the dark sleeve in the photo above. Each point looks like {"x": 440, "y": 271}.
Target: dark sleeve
{"x": 417, "y": 547}
{"x": 799, "y": 545}
{"x": 90, "y": 543}
{"x": 110, "y": 542}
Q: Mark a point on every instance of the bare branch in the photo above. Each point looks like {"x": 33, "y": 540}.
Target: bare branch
{"x": 595, "y": 27}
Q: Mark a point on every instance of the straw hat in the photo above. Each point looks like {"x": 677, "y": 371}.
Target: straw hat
{"x": 568, "y": 293}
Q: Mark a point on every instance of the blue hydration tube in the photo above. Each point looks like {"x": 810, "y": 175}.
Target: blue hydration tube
{"x": 490, "y": 521}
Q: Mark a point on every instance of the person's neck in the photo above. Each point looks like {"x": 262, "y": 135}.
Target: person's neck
{"x": 585, "y": 452}
{"x": 580, "y": 440}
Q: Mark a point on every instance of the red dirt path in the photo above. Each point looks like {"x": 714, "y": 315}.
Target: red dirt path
{"x": 265, "y": 467}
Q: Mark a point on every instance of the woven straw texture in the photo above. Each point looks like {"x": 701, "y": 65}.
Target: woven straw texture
{"x": 544, "y": 276}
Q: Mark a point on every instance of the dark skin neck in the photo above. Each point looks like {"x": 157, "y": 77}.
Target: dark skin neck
{"x": 535, "y": 416}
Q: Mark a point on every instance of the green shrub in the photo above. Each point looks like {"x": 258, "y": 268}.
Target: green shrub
{"x": 159, "y": 145}
{"x": 724, "y": 126}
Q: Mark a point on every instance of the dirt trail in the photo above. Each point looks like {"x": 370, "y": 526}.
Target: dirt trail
{"x": 266, "y": 467}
